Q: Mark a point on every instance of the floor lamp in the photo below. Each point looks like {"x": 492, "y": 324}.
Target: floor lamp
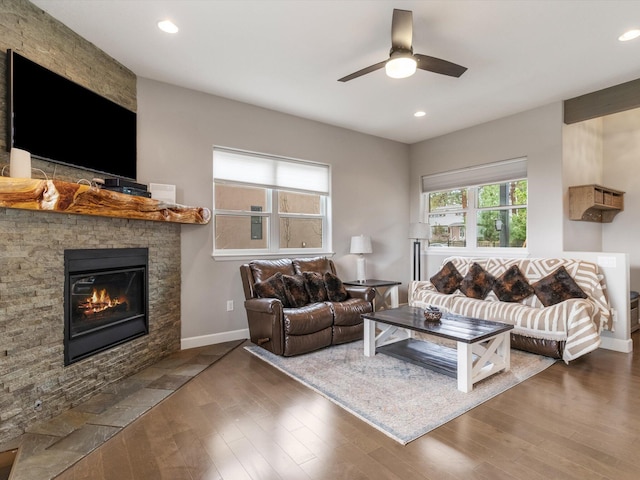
{"x": 417, "y": 232}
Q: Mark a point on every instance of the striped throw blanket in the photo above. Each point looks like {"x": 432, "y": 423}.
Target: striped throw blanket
{"x": 576, "y": 321}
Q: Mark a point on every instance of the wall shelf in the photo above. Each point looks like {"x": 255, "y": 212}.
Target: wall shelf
{"x": 65, "y": 197}
{"x": 594, "y": 203}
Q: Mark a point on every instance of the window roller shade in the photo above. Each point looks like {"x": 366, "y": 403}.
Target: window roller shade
{"x": 270, "y": 172}
{"x": 478, "y": 175}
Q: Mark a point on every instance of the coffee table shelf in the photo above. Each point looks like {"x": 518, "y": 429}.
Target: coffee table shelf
{"x": 482, "y": 347}
{"x": 440, "y": 359}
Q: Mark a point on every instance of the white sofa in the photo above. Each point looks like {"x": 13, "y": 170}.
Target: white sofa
{"x": 566, "y": 330}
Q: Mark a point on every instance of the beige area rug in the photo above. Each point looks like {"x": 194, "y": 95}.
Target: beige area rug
{"x": 402, "y": 400}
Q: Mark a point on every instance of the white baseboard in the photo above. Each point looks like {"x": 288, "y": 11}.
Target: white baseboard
{"x": 616, "y": 344}
{"x": 212, "y": 339}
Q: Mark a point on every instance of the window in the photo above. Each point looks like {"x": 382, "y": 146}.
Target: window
{"x": 269, "y": 205}
{"x": 478, "y": 215}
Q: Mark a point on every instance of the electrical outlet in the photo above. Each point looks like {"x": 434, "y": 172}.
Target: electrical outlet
{"x": 229, "y": 305}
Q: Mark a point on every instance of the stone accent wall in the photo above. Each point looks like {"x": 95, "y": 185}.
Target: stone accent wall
{"x": 32, "y": 368}
{"x": 32, "y": 246}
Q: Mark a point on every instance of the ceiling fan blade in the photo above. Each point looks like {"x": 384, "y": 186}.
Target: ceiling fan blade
{"x": 437, "y": 65}
{"x": 401, "y": 29}
{"x": 364, "y": 71}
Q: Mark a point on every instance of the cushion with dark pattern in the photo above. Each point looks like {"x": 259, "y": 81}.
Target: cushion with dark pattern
{"x": 335, "y": 289}
{"x": 477, "y": 283}
{"x": 295, "y": 290}
{"x": 272, "y": 287}
{"x": 557, "y": 287}
{"x": 314, "y": 283}
{"x": 448, "y": 279}
{"x": 512, "y": 286}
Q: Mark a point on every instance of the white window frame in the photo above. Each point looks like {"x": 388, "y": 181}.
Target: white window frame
{"x": 273, "y": 216}
{"x": 472, "y": 179}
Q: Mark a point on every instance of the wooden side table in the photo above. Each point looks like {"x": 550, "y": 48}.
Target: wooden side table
{"x": 386, "y": 292}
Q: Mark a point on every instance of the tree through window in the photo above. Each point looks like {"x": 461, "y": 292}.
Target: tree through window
{"x": 492, "y": 215}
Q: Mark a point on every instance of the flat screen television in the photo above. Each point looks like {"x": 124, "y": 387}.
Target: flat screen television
{"x": 60, "y": 121}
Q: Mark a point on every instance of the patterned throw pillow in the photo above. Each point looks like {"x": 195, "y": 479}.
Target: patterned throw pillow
{"x": 272, "y": 287}
{"x": 295, "y": 290}
{"x": 512, "y": 286}
{"x": 335, "y": 289}
{"x": 477, "y": 283}
{"x": 557, "y": 287}
{"x": 448, "y": 279}
{"x": 314, "y": 283}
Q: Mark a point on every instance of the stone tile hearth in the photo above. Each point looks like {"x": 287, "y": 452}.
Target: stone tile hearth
{"x": 49, "y": 448}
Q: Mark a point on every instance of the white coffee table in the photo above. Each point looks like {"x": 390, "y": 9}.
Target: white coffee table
{"x": 483, "y": 348}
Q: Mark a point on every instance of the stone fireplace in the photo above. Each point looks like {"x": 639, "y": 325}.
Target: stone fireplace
{"x": 32, "y": 353}
{"x": 105, "y": 299}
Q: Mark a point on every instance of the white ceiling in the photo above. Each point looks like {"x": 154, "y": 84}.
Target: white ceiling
{"x": 287, "y": 55}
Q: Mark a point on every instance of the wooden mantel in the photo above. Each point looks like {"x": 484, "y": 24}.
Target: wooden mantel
{"x": 65, "y": 197}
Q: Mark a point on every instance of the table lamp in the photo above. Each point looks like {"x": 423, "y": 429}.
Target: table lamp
{"x": 360, "y": 245}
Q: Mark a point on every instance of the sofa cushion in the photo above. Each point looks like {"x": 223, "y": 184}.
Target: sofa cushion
{"x": 557, "y": 287}
{"x": 349, "y": 312}
{"x": 335, "y": 289}
{"x": 263, "y": 269}
{"x": 317, "y": 264}
{"x": 447, "y": 280}
{"x": 314, "y": 283}
{"x": 477, "y": 283}
{"x": 512, "y": 286}
{"x": 272, "y": 287}
{"x": 307, "y": 320}
{"x": 295, "y": 290}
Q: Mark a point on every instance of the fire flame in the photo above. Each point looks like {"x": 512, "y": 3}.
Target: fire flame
{"x": 100, "y": 301}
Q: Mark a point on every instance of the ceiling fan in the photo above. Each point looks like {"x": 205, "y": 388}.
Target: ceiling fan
{"x": 402, "y": 61}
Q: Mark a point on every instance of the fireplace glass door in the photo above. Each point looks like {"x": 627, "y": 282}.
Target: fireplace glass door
{"x": 105, "y": 298}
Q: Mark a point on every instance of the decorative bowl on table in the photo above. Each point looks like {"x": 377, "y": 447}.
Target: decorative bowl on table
{"x": 432, "y": 314}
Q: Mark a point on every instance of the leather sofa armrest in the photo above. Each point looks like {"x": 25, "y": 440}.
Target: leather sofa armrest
{"x": 264, "y": 305}
{"x": 365, "y": 293}
{"x": 264, "y": 316}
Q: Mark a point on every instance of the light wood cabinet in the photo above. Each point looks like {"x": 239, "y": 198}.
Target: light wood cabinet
{"x": 594, "y": 203}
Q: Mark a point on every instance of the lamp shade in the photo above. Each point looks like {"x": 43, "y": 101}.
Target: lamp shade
{"x": 361, "y": 244}
{"x": 419, "y": 230}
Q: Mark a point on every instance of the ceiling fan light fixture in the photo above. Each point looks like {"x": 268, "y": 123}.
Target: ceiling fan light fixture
{"x": 400, "y": 67}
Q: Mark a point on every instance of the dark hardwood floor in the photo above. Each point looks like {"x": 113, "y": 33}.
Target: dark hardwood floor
{"x": 242, "y": 419}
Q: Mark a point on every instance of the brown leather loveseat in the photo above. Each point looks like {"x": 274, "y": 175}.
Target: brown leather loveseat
{"x": 299, "y": 305}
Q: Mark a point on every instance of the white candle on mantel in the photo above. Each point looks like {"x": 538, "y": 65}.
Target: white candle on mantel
{"x": 20, "y": 163}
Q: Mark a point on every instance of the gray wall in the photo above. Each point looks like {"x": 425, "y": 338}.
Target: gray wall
{"x": 536, "y": 134}
{"x": 177, "y": 129}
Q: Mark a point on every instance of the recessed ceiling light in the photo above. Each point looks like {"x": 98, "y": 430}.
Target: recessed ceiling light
{"x": 419, "y": 113}
{"x": 630, "y": 35}
{"x": 167, "y": 26}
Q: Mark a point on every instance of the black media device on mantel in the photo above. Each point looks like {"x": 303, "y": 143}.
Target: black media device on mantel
{"x": 58, "y": 120}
